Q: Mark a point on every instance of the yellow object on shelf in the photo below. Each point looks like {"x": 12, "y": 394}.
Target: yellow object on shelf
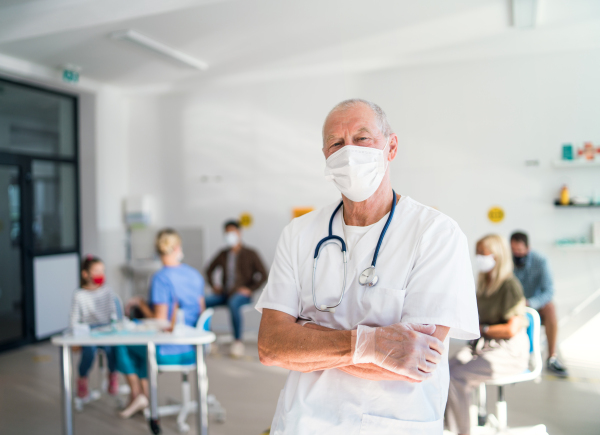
{"x": 565, "y": 197}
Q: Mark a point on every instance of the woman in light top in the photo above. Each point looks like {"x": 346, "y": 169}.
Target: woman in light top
{"x": 176, "y": 285}
{"x": 93, "y": 305}
{"x": 503, "y": 348}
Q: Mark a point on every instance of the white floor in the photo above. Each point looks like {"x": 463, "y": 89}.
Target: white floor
{"x": 30, "y": 398}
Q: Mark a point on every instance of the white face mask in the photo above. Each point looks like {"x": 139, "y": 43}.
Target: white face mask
{"x": 485, "y": 263}
{"x": 180, "y": 256}
{"x": 231, "y": 239}
{"x": 356, "y": 171}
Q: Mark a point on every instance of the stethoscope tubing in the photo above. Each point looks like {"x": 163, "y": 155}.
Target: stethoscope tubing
{"x": 385, "y": 228}
{"x": 331, "y": 238}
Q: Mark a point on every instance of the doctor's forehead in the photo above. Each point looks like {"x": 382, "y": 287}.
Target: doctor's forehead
{"x": 355, "y": 119}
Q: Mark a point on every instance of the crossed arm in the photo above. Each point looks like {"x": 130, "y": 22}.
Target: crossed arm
{"x": 285, "y": 343}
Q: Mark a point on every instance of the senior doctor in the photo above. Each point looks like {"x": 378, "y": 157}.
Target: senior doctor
{"x": 374, "y": 362}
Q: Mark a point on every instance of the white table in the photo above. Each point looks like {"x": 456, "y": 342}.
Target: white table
{"x": 188, "y": 335}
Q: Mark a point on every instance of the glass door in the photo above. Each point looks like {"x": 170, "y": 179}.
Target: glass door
{"x": 11, "y": 259}
{"x": 39, "y": 212}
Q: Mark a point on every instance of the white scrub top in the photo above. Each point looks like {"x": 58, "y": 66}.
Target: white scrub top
{"x": 425, "y": 276}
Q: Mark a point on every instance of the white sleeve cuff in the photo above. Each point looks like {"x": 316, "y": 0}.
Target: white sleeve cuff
{"x": 457, "y": 330}
{"x": 278, "y": 307}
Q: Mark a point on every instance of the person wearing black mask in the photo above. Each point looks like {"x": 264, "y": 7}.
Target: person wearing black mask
{"x": 534, "y": 273}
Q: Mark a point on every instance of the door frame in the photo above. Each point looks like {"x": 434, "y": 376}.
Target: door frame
{"x": 28, "y": 253}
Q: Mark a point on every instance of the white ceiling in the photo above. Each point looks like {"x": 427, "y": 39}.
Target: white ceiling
{"x": 245, "y": 40}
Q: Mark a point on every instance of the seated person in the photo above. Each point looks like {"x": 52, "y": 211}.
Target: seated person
{"x": 531, "y": 268}
{"x": 175, "y": 286}
{"x": 243, "y": 273}
{"x": 503, "y": 348}
{"x": 94, "y": 305}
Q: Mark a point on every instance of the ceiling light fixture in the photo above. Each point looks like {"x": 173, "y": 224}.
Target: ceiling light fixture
{"x": 524, "y": 13}
{"x": 159, "y": 47}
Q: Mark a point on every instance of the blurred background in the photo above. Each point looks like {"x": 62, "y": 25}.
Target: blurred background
{"x": 118, "y": 118}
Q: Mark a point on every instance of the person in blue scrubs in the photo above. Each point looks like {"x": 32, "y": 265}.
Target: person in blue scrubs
{"x": 176, "y": 285}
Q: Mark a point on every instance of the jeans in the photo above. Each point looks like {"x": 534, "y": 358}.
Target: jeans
{"x": 87, "y": 359}
{"x": 235, "y": 302}
{"x": 134, "y": 360}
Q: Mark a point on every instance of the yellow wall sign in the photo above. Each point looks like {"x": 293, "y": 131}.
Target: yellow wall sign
{"x": 299, "y": 211}
{"x": 246, "y": 220}
{"x": 496, "y": 214}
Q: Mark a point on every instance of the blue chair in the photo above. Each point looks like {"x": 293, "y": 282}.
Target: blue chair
{"x": 499, "y": 423}
{"x": 188, "y": 405}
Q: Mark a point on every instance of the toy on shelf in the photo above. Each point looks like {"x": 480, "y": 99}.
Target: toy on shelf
{"x": 565, "y": 197}
{"x": 588, "y": 151}
{"x": 567, "y": 151}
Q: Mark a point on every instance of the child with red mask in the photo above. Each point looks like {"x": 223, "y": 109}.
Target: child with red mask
{"x": 94, "y": 305}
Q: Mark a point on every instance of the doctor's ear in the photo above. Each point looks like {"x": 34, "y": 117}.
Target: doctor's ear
{"x": 393, "y": 147}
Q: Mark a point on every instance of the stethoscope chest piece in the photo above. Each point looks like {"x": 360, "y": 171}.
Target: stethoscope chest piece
{"x": 368, "y": 277}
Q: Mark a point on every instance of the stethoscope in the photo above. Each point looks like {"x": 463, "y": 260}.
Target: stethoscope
{"x": 368, "y": 277}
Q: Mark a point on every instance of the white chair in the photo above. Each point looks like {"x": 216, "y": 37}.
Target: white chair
{"x": 188, "y": 405}
{"x": 498, "y": 424}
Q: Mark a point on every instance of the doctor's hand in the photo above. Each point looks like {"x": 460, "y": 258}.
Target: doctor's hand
{"x": 407, "y": 349}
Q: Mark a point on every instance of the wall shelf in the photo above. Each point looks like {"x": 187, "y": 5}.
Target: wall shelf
{"x": 558, "y": 205}
{"x": 575, "y": 164}
{"x": 578, "y": 247}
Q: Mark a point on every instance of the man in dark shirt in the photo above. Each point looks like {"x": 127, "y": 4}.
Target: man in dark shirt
{"x": 243, "y": 273}
{"x": 534, "y": 273}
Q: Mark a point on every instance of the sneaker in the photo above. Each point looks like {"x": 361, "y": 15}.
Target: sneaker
{"x": 556, "y": 368}
{"x": 113, "y": 384}
{"x": 82, "y": 388}
{"x": 138, "y": 404}
{"x": 237, "y": 349}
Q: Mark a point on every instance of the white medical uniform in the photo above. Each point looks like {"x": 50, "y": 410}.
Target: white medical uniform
{"x": 425, "y": 276}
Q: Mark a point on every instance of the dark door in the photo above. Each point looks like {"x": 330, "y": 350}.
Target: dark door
{"x": 11, "y": 255}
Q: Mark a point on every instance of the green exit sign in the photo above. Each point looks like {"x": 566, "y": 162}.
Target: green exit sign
{"x": 70, "y": 76}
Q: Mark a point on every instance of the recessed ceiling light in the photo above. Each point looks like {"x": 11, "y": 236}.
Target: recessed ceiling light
{"x": 158, "y": 47}
{"x": 524, "y": 13}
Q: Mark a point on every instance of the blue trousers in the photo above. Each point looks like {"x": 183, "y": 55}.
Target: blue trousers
{"x": 87, "y": 359}
{"x": 235, "y": 302}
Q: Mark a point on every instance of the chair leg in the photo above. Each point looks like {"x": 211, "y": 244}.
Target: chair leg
{"x": 186, "y": 402}
{"x": 482, "y": 410}
{"x": 473, "y": 408}
{"x": 501, "y": 409}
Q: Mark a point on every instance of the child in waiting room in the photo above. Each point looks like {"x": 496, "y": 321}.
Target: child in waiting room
{"x": 94, "y": 305}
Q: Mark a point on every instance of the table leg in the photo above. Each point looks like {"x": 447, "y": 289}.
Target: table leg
{"x": 67, "y": 392}
{"x": 153, "y": 384}
{"x": 201, "y": 391}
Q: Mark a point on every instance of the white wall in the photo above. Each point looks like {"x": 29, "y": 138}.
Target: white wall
{"x": 112, "y": 181}
{"x": 465, "y": 131}
{"x": 210, "y": 154}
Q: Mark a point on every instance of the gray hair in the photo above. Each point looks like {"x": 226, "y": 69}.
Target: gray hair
{"x": 380, "y": 116}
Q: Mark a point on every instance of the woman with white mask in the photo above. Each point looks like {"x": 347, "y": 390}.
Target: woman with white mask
{"x": 503, "y": 348}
